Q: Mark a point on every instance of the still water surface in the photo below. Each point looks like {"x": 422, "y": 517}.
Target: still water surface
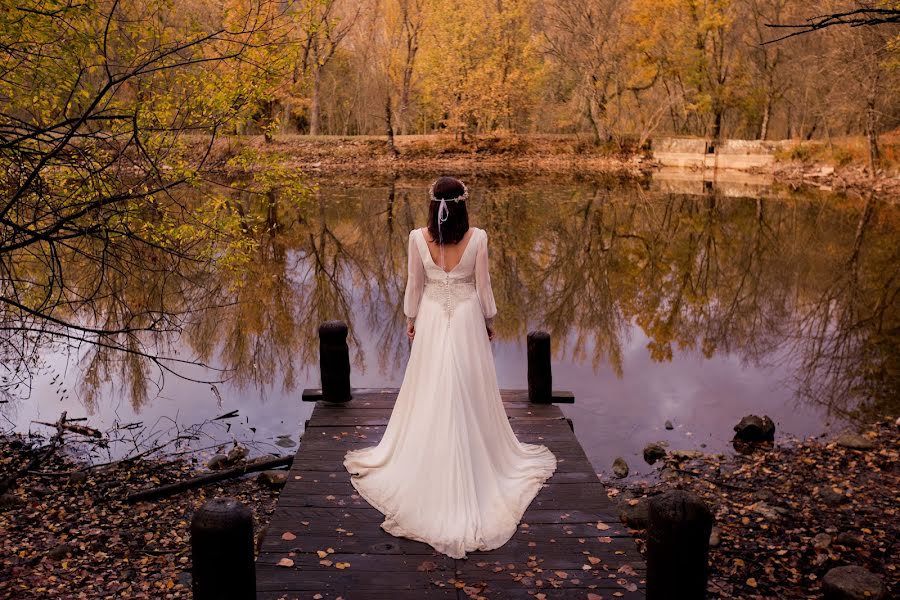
{"x": 691, "y": 308}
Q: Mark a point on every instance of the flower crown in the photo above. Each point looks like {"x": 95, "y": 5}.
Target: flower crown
{"x": 463, "y": 198}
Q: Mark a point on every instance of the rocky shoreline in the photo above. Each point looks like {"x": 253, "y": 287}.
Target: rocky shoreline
{"x": 791, "y": 520}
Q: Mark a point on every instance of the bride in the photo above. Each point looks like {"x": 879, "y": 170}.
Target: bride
{"x": 449, "y": 471}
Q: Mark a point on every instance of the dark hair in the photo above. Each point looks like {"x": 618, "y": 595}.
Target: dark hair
{"x": 457, "y": 223}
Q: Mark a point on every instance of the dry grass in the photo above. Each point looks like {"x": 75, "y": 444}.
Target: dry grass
{"x": 846, "y": 151}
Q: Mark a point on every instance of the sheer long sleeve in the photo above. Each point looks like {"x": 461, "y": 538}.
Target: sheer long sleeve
{"x": 483, "y": 281}
{"x": 415, "y": 280}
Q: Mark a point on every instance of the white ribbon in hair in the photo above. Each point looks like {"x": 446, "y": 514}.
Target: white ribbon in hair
{"x": 444, "y": 212}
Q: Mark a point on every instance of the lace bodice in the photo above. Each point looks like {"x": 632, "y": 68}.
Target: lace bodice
{"x": 469, "y": 277}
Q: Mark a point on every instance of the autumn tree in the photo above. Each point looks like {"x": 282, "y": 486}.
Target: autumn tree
{"x": 583, "y": 39}
{"x": 96, "y": 101}
{"x": 324, "y": 24}
{"x": 480, "y": 67}
{"x": 692, "y": 43}
{"x": 404, "y": 28}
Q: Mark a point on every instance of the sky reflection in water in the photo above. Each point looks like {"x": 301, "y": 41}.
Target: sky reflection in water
{"x": 696, "y": 309}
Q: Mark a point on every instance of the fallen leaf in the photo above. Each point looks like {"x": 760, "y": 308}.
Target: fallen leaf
{"x": 427, "y": 566}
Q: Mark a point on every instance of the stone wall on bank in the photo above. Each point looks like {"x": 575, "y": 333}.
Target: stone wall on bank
{"x": 699, "y": 153}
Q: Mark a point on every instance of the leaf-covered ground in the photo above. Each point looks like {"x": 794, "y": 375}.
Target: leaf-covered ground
{"x": 785, "y": 515}
{"x": 61, "y": 537}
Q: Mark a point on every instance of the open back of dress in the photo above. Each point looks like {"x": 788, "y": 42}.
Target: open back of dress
{"x": 449, "y": 470}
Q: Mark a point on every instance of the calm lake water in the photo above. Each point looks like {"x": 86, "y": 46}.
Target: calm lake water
{"x": 695, "y": 308}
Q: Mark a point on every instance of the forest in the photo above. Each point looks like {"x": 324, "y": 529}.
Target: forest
{"x": 751, "y": 69}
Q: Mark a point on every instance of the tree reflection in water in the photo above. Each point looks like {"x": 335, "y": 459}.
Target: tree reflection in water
{"x": 790, "y": 278}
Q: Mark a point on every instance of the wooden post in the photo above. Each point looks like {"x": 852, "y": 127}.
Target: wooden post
{"x": 678, "y": 546}
{"x": 334, "y": 361}
{"x": 222, "y": 551}
{"x": 540, "y": 377}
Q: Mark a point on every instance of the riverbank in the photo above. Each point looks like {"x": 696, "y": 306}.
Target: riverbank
{"x": 67, "y": 530}
{"x": 425, "y": 154}
{"x": 785, "y": 515}
{"x": 838, "y": 166}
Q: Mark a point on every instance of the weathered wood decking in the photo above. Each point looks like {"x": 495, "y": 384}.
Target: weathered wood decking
{"x": 569, "y": 544}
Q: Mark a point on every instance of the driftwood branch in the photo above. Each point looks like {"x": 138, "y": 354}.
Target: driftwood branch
{"x": 180, "y": 486}
{"x": 35, "y": 462}
{"x": 79, "y": 429}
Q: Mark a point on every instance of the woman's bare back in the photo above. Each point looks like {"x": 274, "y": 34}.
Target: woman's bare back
{"x": 453, "y": 253}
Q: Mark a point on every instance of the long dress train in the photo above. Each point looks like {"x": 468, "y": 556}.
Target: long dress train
{"x": 449, "y": 470}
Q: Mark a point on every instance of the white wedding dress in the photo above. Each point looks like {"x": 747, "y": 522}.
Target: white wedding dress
{"x": 449, "y": 470}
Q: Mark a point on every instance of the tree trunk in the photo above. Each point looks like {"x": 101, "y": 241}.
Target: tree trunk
{"x": 717, "y": 124}
{"x": 404, "y": 92}
{"x": 285, "y": 123}
{"x": 871, "y": 125}
{"x": 593, "y": 120}
{"x": 314, "y": 102}
{"x": 270, "y": 121}
{"x": 404, "y": 103}
{"x": 388, "y": 117}
{"x": 767, "y": 113}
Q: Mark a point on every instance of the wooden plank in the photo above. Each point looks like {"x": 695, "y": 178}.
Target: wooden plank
{"x": 382, "y": 402}
{"x": 302, "y": 525}
{"x": 326, "y": 440}
{"x": 347, "y": 418}
{"x": 435, "y": 593}
{"x": 552, "y": 424}
{"x": 345, "y": 488}
{"x": 557, "y": 502}
{"x": 568, "y": 543}
{"x": 344, "y": 476}
{"x": 328, "y": 461}
{"x": 578, "y": 494}
{"x": 315, "y": 395}
{"x": 558, "y": 446}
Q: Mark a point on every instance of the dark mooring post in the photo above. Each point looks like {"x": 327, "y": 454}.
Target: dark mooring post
{"x": 540, "y": 378}
{"x": 334, "y": 361}
{"x": 222, "y": 551}
{"x": 678, "y": 546}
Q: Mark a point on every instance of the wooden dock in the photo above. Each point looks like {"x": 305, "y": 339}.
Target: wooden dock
{"x": 325, "y": 542}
